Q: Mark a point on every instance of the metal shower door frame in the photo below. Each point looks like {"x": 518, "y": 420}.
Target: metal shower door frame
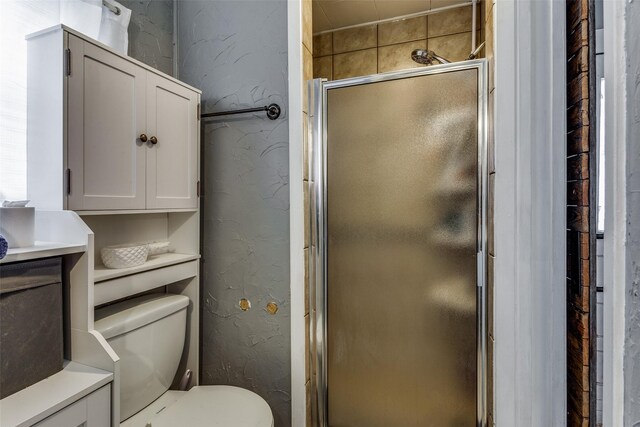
{"x": 317, "y": 265}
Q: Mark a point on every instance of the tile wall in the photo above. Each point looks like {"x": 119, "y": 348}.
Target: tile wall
{"x": 379, "y": 48}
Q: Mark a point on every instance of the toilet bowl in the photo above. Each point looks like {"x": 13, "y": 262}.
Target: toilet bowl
{"x": 148, "y": 334}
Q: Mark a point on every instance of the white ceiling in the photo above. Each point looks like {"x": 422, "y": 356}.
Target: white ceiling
{"x": 332, "y": 14}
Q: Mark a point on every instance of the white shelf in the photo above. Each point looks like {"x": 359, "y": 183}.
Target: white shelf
{"x": 42, "y": 250}
{"x": 103, "y": 273}
{"x": 125, "y": 286}
{"x": 135, "y": 211}
{"x": 50, "y": 395}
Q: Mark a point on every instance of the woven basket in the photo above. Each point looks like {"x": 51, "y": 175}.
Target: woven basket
{"x": 124, "y": 256}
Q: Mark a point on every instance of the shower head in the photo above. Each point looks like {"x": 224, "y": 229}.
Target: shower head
{"x": 426, "y": 57}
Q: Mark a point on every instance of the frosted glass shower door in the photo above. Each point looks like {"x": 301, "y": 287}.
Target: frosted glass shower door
{"x": 401, "y": 251}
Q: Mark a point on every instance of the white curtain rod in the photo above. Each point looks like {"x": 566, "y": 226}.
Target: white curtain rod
{"x": 113, "y": 8}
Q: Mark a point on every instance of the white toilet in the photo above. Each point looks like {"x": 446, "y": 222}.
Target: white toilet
{"x": 148, "y": 333}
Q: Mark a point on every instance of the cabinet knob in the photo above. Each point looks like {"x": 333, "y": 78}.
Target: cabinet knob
{"x": 153, "y": 140}
{"x": 143, "y": 137}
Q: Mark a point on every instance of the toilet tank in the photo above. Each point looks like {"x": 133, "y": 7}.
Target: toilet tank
{"x": 148, "y": 335}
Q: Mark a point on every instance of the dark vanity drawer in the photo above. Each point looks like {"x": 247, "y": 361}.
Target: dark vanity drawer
{"x": 31, "y": 310}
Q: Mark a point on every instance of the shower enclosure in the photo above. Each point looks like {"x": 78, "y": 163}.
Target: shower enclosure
{"x": 398, "y": 235}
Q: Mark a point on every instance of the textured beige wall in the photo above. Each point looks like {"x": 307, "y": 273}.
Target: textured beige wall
{"x": 379, "y": 48}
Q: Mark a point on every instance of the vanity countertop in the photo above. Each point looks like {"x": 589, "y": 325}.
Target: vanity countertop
{"x": 44, "y": 398}
{"x": 41, "y": 250}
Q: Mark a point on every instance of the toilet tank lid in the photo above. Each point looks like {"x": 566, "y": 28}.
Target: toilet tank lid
{"x": 126, "y": 316}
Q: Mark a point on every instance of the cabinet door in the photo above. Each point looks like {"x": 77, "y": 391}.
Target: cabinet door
{"x": 74, "y": 415}
{"x": 91, "y": 411}
{"x": 172, "y": 162}
{"x": 106, "y": 116}
{"x": 99, "y": 407}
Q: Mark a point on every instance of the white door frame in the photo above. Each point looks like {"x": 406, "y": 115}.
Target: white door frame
{"x": 530, "y": 213}
{"x": 617, "y": 272}
{"x": 296, "y": 213}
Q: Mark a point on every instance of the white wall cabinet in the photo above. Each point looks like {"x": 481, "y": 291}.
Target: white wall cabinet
{"x": 132, "y": 134}
{"x": 118, "y": 142}
{"x": 129, "y": 134}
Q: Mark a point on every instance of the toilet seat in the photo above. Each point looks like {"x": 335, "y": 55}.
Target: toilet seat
{"x": 216, "y": 406}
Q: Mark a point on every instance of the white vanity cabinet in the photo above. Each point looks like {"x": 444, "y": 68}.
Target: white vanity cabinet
{"x": 107, "y": 132}
{"x": 85, "y": 392}
{"x": 93, "y": 410}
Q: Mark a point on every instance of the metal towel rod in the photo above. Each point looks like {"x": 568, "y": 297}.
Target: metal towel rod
{"x": 272, "y": 110}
